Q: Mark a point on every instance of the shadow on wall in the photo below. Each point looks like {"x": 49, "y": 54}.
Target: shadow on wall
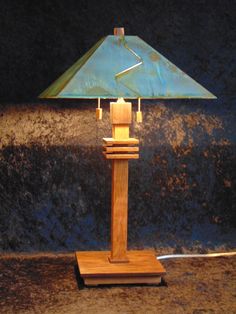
{"x": 55, "y": 184}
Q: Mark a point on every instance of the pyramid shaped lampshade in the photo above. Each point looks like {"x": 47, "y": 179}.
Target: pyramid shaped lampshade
{"x": 119, "y": 67}
{"x": 124, "y": 66}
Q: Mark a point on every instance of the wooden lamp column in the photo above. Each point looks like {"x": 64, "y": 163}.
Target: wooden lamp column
{"x": 118, "y": 149}
{"x": 120, "y": 266}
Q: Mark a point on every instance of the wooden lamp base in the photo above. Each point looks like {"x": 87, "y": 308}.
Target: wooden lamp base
{"x": 142, "y": 268}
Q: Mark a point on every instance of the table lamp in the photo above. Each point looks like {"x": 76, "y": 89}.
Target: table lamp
{"x": 122, "y": 67}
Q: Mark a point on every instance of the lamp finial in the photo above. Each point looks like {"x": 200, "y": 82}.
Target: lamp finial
{"x": 119, "y": 31}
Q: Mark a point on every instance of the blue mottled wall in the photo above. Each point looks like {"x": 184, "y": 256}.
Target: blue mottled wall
{"x": 54, "y": 182}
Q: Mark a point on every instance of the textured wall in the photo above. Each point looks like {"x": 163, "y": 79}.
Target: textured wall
{"x": 54, "y": 182}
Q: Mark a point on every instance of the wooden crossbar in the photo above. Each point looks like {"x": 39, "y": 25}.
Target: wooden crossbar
{"x": 120, "y": 149}
{"x": 111, "y": 141}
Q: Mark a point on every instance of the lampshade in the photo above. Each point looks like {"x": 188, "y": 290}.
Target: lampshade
{"x": 124, "y": 66}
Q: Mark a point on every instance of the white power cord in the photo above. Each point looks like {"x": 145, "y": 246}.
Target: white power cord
{"x": 195, "y": 255}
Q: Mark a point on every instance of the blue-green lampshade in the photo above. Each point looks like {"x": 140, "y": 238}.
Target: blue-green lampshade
{"x": 124, "y": 66}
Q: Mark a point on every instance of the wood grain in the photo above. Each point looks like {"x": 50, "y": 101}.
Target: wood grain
{"x": 143, "y": 267}
{"x": 109, "y": 141}
{"x": 120, "y": 113}
{"x": 139, "y": 116}
{"x": 118, "y": 149}
{"x": 119, "y": 210}
{"x": 120, "y": 131}
{"x": 119, "y": 31}
{"x": 140, "y": 263}
{"x": 99, "y": 113}
{"x": 121, "y": 156}
{"x": 122, "y": 280}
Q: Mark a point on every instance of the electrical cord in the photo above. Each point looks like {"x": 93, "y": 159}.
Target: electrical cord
{"x": 195, "y": 255}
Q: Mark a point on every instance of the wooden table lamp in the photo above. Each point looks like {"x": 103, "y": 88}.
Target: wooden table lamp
{"x": 119, "y": 67}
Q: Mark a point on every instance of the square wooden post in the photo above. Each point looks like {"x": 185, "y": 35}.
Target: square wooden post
{"x": 121, "y": 113}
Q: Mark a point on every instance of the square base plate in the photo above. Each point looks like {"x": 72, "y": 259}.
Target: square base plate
{"x": 142, "y": 268}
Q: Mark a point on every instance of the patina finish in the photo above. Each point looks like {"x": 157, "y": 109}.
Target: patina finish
{"x": 124, "y": 66}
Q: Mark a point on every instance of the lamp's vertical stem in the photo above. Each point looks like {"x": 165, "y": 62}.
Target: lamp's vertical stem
{"x": 119, "y": 203}
{"x": 119, "y": 213}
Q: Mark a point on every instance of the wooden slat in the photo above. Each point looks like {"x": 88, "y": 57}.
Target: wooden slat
{"x": 118, "y": 149}
{"x": 122, "y": 280}
{"x": 121, "y": 156}
{"x": 111, "y": 141}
